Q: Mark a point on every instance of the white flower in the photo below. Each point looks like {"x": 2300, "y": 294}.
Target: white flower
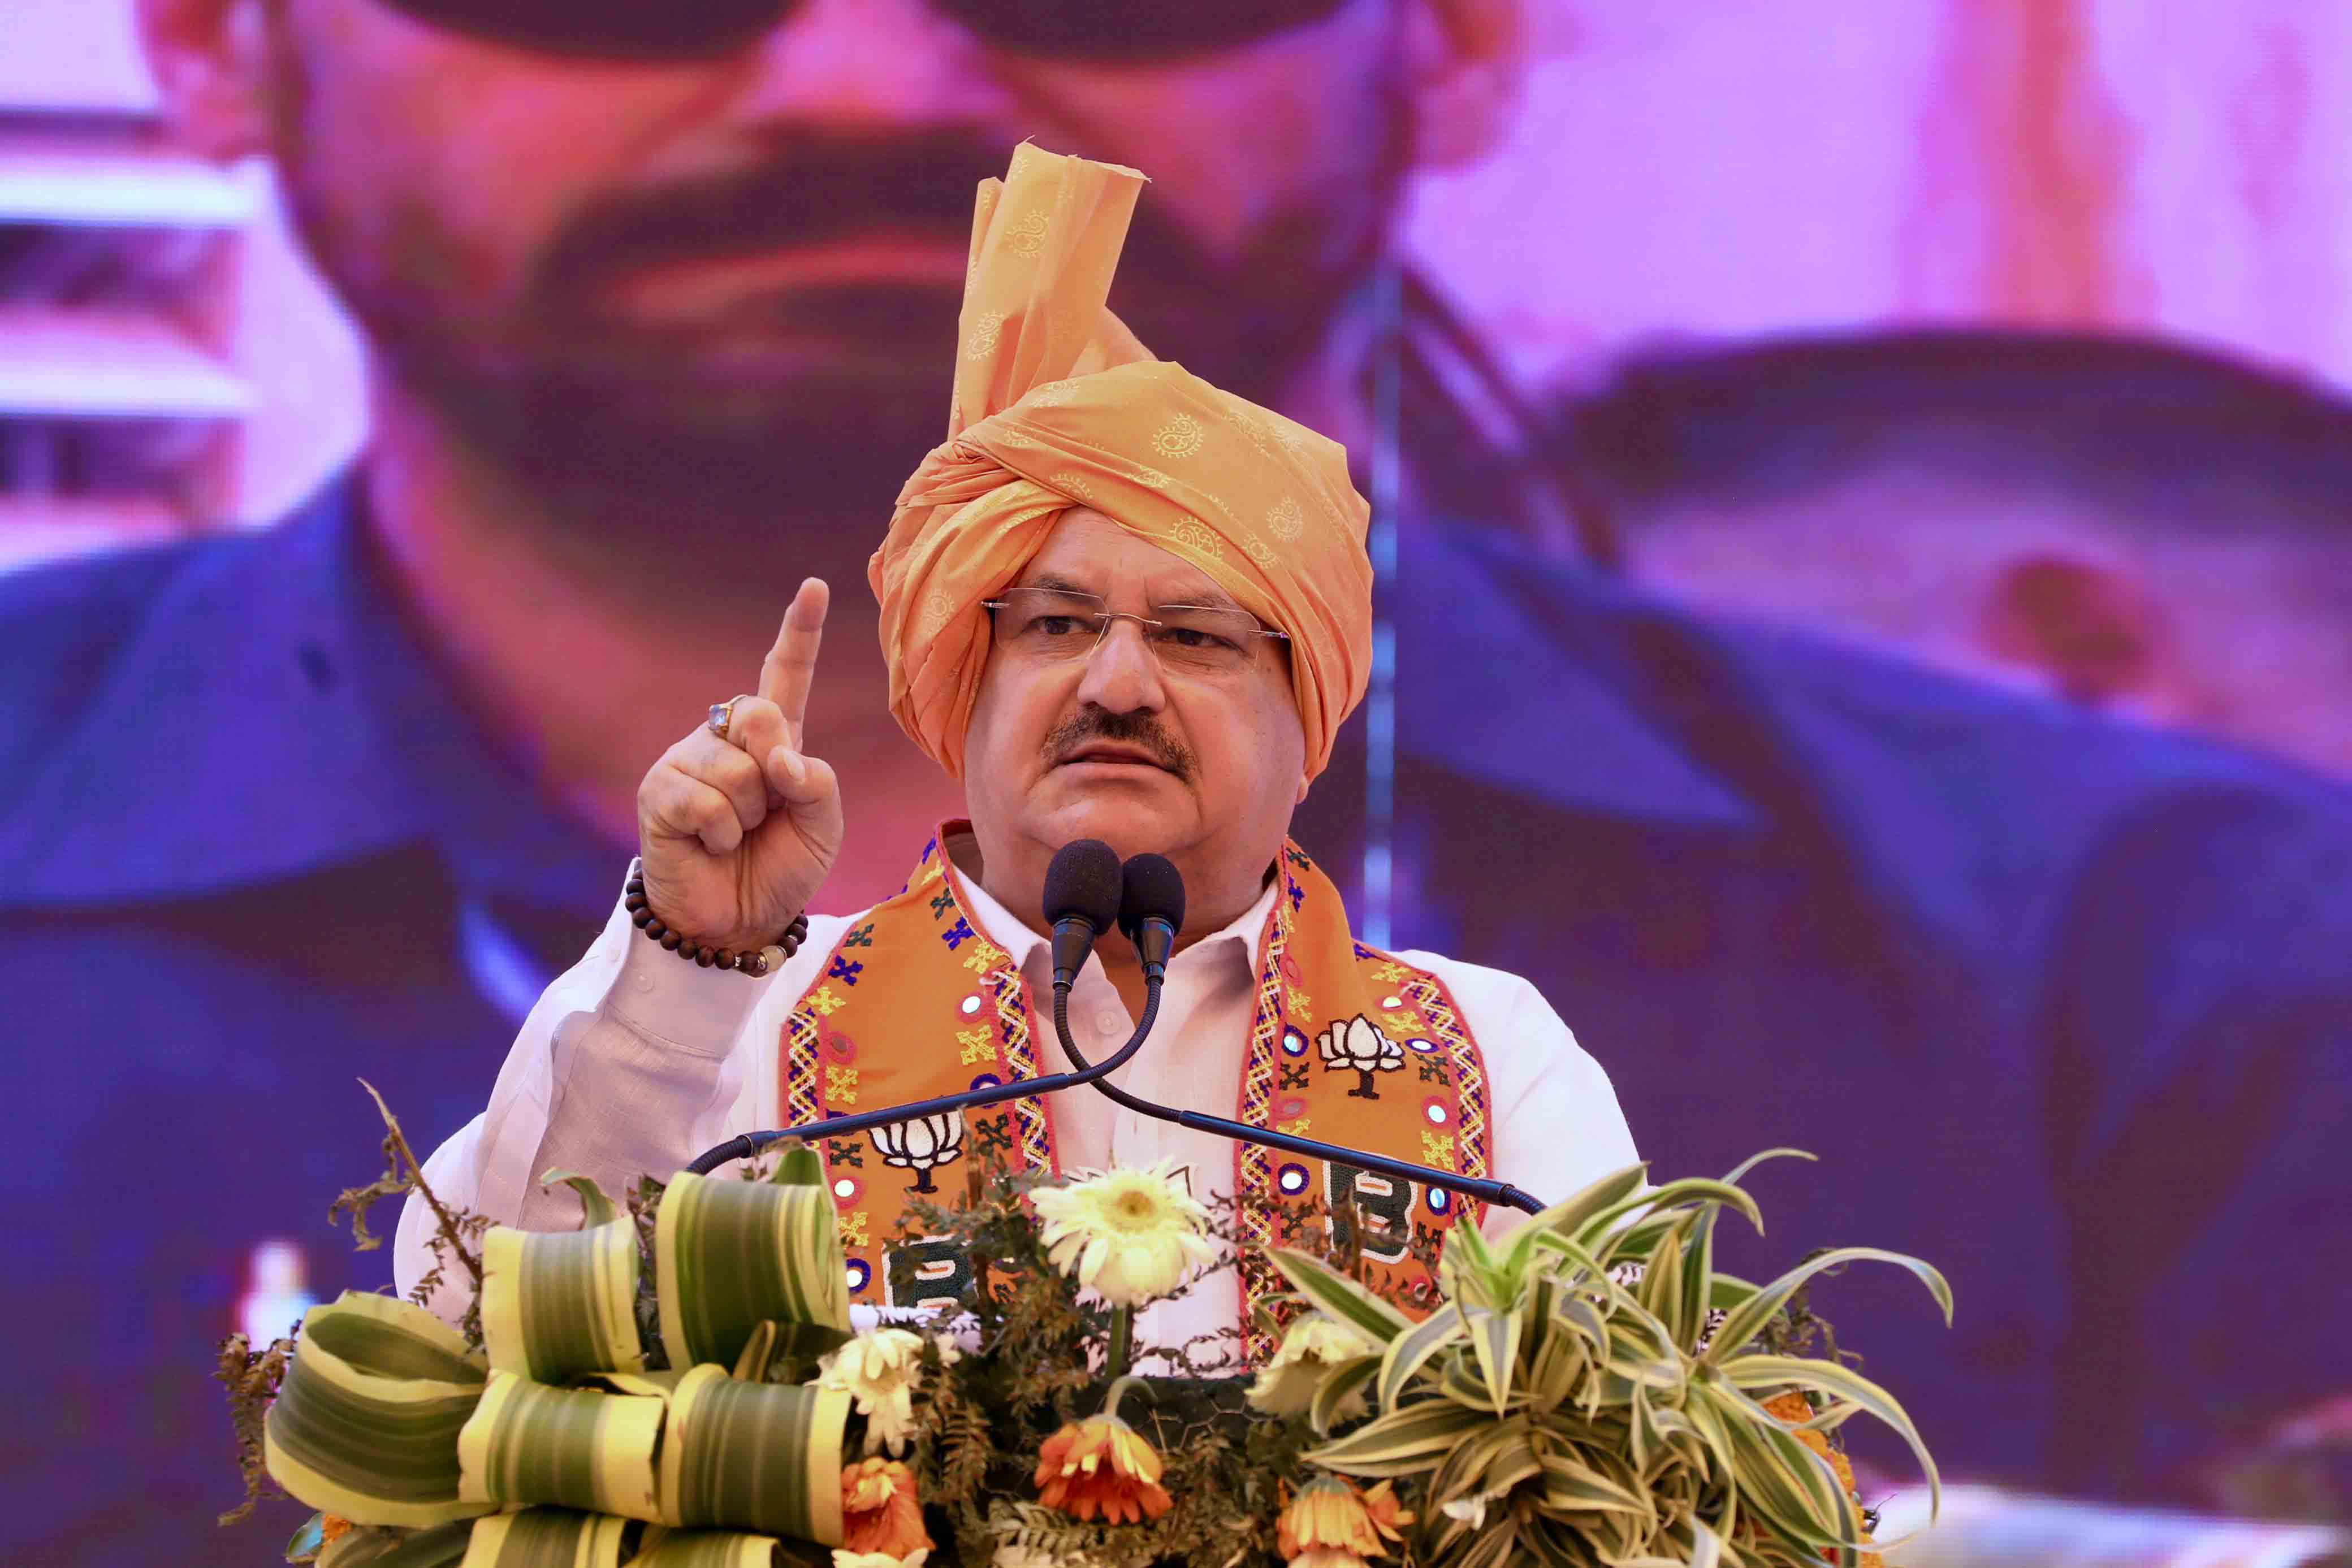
{"x": 1287, "y": 1385}
{"x": 881, "y": 1370}
{"x": 1128, "y": 1236}
{"x": 879, "y": 1559}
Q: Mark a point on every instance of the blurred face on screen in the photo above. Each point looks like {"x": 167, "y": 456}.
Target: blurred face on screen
{"x": 693, "y": 243}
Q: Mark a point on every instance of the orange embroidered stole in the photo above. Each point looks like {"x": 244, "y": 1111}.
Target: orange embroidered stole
{"x": 1347, "y": 1045}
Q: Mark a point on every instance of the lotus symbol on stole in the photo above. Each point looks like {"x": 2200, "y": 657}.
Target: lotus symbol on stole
{"x": 1360, "y": 1044}
{"x": 921, "y": 1145}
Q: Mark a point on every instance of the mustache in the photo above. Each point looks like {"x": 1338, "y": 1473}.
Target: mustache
{"x": 1091, "y": 724}
{"x": 824, "y": 186}
{"x": 817, "y": 188}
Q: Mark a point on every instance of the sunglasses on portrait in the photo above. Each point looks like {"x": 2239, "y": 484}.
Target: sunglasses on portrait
{"x": 1096, "y": 30}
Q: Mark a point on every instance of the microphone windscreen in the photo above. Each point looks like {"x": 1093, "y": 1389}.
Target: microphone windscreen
{"x": 1150, "y": 885}
{"x": 1084, "y": 880}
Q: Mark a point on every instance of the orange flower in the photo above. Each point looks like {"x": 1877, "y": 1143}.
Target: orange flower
{"x": 1328, "y": 1515}
{"x": 1101, "y": 1467}
{"x": 1390, "y": 1516}
{"x": 879, "y": 1510}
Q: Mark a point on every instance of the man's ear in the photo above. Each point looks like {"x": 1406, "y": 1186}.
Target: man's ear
{"x": 2089, "y": 628}
{"x": 211, "y": 63}
{"x": 1465, "y": 69}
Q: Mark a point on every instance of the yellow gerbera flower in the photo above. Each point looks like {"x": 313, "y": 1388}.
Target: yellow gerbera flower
{"x": 1313, "y": 1346}
{"x": 1128, "y": 1236}
{"x": 881, "y": 1370}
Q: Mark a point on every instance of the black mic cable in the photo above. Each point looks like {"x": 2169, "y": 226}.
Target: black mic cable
{"x": 1082, "y": 900}
{"x": 1153, "y": 910}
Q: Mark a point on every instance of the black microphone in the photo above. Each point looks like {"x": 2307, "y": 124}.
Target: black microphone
{"x": 1082, "y": 900}
{"x": 1151, "y": 910}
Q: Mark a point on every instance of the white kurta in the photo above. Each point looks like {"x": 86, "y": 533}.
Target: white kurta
{"x": 634, "y": 1061}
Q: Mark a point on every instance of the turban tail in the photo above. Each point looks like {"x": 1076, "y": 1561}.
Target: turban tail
{"x": 1056, "y": 404}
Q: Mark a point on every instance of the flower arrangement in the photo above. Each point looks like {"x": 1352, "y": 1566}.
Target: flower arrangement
{"x": 678, "y": 1384}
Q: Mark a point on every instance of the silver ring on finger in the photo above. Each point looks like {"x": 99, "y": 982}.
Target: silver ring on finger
{"x": 721, "y": 716}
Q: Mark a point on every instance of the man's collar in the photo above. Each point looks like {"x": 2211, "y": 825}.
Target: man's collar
{"x": 266, "y": 715}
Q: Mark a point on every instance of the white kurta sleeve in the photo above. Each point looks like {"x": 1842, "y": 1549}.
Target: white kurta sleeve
{"x": 1558, "y": 1125}
{"x": 631, "y": 1063}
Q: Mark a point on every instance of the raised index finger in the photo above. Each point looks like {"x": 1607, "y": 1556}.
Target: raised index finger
{"x": 790, "y": 666}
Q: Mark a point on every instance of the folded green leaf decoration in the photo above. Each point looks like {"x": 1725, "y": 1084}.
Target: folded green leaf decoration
{"x": 720, "y": 1463}
{"x": 548, "y": 1538}
{"x": 557, "y": 1305}
{"x": 572, "y": 1447}
{"x": 564, "y": 1439}
{"x": 729, "y": 1255}
{"x": 366, "y": 1423}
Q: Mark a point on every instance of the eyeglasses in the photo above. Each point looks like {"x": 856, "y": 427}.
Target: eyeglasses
{"x": 1050, "y": 623}
{"x": 1108, "y": 30}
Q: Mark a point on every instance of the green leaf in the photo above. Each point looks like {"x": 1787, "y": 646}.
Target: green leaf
{"x": 1792, "y": 1486}
{"x": 596, "y": 1208}
{"x": 1410, "y": 1350}
{"x": 1689, "y": 1189}
{"x": 1843, "y": 1383}
{"x": 1401, "y": 1442}
{"x": 1660, "y": 1290}
{"x": 801, "y": 1166}
{"x": 1489, "y": 1463}
{"x": 1341, "y": 1296}
{"x": 1469, "y": 1270}
{"x": 441, "y": 1547}
{"x": 1750, "y": 1318}
{"x": 1338, "y": 1385}
{"x": 1752, "y": 1161}
{"x": 1570, "y": 1216}
{"x": 306, "y": 1541}
{"x": 1495, "y": 1341}
{"x": 1571, "y": 1485}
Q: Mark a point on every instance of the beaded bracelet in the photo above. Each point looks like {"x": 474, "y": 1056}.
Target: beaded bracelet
{"x": 755, "y": 962}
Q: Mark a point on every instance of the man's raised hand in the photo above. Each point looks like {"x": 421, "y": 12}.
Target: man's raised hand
{"x": 738, "y": 832}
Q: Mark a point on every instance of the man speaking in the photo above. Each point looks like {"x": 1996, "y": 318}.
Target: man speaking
{"x": 1120, "y": 604}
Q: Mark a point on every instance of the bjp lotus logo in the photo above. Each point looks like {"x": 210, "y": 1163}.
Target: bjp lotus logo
{"x": 1360, "y": 1045}
{"x": 921, "y": 1145}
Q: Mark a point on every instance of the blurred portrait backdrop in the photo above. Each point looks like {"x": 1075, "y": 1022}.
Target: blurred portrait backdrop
{"x": 1863, "y": 513}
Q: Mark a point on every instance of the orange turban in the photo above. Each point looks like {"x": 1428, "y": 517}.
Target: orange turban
{"x": 1056, "y": 405}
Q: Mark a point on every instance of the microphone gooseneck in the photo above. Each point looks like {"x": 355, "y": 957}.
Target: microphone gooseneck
{"x": 745, "y": 1145}
{"x": 1146, "y": 900}
{"x": 1082, "y": 901}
